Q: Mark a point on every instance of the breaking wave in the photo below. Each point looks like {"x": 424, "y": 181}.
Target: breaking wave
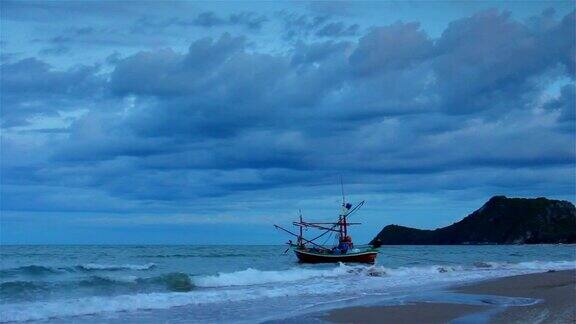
{"x": 179, "y": 282}
{"x": 176, "y": 282}
{"x": 258, "y": 277}
{"x": 113, "y": 267}
{"x": 180, "y": 289}
{"x": 527, "y": 265}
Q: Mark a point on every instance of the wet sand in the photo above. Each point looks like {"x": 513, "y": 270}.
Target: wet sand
{"x": 556, "y": 290}
{"x": 413, "y": 313}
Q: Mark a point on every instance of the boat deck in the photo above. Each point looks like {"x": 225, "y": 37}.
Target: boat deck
{"x": 366, "y": 256}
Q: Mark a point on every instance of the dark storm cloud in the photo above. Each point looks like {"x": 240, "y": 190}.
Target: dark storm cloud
{"x": 392, "y": 47}
{"x": 137, "y": 30}
{"x": 338, "y": 29}
{"x": 395, "y": 110}
{"x": 79, "y": 37}
{"x": 306, "y": 53}
{"x": 490, "y": 60}
{"x": 31, "y": 88}
{"x": 566, "y": 103}
{"x": 37, "y": 77}
{"x": 565, "y": 106}
{"x": 220, "y": 91}
{"x": 558, "y": 39}
{"x": 303, "y": 25}
{"x": 207, "y": 19}
{"x": 250, "y": 20}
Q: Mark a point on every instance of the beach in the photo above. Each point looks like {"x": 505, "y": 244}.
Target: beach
{"x": 554, "y": 295}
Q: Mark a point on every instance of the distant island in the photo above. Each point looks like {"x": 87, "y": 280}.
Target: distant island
{"x": 501, "y": 220}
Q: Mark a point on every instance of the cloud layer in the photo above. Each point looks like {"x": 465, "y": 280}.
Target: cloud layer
{"x": 229, "y": 128}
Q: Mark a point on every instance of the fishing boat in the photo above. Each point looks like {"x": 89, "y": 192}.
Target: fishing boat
{"x": 310, "y": 251}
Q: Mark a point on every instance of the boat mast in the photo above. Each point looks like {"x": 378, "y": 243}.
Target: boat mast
{"x": 303, "y": 239}
{"x": 342, "y": 217}
{"x": 341, "y": 226}
{"x": 301, "y": 234}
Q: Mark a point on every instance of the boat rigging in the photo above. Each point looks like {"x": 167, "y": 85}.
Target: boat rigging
{"x": 309, "y": 251}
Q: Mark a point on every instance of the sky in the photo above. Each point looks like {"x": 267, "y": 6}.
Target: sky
{"x": 147, "y": 122}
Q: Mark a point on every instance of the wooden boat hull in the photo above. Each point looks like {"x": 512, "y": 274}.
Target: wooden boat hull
{"x": 360, "y": 257}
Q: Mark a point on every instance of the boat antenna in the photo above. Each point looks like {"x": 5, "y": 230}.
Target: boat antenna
{"x": 342, "y": 186}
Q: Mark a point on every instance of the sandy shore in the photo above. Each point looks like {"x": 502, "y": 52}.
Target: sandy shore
{"x": 413, "y": 313}
{"x": 556, "y": 290}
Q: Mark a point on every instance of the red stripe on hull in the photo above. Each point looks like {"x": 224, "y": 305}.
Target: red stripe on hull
{"x": 369, "y": 257}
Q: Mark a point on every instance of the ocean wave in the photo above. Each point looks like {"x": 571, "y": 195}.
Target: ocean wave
{"x": 104, "y": 281}
{"x": 254, "y": 277}
{"x": 33, "y": 270}
{"x": 20, "y": 288}
{"x": 92, "y": 305}
{"x": 31, "y": 311}
{"x": 175, "y": 281}
{"x": 113, "y": 267}
{"x": 264, "y": 284}
{"x": 195, "y": 255}
{"x": 182, "y": 282}
{"x": 526, "y": 265}
{"x": 170, "y": 282}
{"x": 41, "y": 270}
{"x": 251, "y": 276}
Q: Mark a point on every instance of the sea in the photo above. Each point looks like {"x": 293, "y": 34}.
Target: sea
{"x": 238, "y": 284}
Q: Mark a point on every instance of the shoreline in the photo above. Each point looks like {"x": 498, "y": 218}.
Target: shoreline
{"x": 539, "y": 297}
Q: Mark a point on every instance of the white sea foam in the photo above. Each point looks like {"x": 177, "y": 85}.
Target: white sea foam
{"x": 253, "y": 284}
{"x": 536, "y": 265}
{"x": 120, "y": 279}
{"x": 96, "y": 266}
{"x": 256, "y": 277}
{"x": 96, "y": 305}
